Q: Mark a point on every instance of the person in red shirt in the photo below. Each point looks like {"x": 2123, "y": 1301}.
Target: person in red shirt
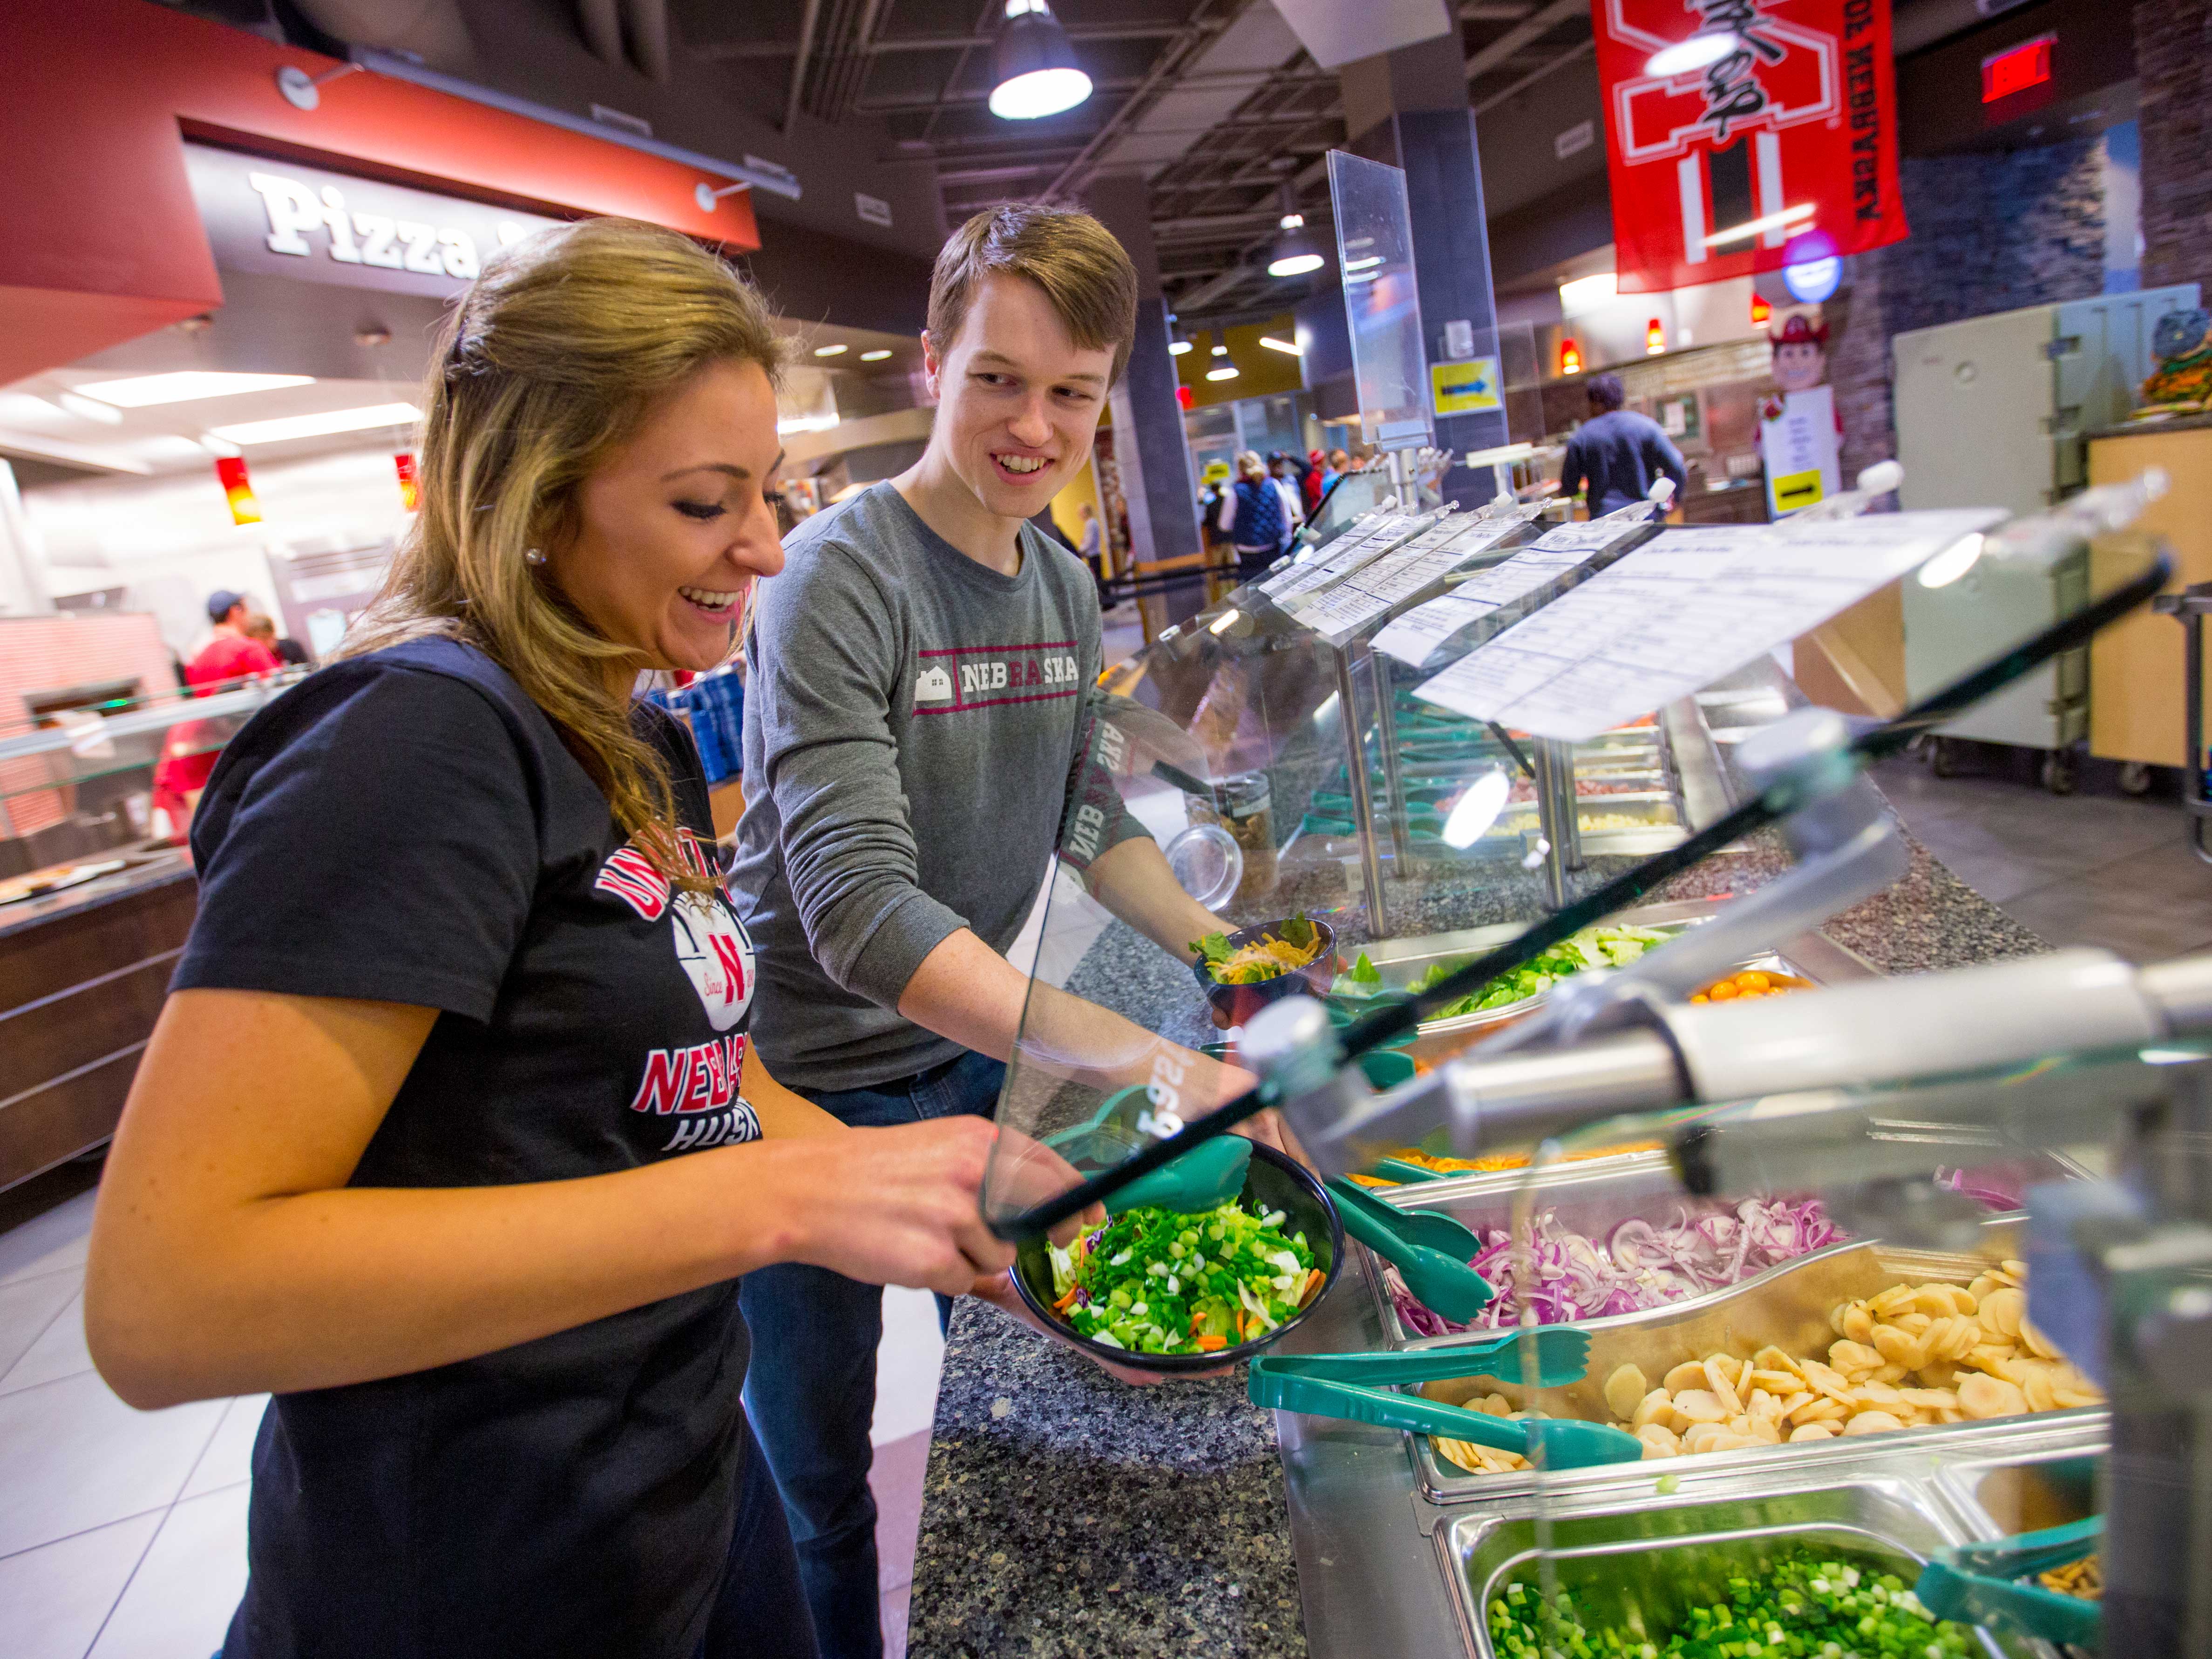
{"x": 189, "y": 754}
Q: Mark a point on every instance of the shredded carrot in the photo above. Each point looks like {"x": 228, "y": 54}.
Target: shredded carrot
{"x": 1067, "y": 1301}
{"x": 1313, "y": 1282}
{"x": 1211, "y": 1344}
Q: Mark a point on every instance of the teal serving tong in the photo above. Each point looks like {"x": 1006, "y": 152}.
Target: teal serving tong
{"x": 1561, "y": 1354}
{"x": 1975, "y": 1584}
{"x": 1210, "y": 1173}
{"x": 1430, "y": 1251}
{"x": 1405, "y": 1174}
{"x": 1559, "y": 1443}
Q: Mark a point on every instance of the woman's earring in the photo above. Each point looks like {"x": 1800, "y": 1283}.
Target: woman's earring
{"x": 531, "y": 555}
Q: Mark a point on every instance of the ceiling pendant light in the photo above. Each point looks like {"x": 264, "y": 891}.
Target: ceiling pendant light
{"x": 1295, "y": 253}
{"x": 1033, "y": 68}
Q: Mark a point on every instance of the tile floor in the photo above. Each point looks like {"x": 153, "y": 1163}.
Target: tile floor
{"x": 2096, "y": 868}
{"x": 123, "y": 1532}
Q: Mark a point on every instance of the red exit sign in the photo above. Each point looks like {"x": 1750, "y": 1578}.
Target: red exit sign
{"x": 2017, "y": 68}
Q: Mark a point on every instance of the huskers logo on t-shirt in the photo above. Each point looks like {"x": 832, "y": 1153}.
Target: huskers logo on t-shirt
{"x": 697, "y": 1082}
{"x": 954, "y": 679}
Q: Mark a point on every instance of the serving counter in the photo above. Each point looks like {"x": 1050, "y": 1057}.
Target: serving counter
{"x": 1064, "y": 1513}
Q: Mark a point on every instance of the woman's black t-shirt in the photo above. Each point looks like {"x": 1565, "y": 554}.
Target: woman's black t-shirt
{"x": 408, "y": 827}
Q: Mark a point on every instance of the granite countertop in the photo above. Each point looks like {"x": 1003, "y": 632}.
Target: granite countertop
{"x": 1065, "y": 1514}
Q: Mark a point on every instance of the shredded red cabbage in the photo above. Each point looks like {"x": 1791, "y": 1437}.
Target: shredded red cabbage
{"x": 1639, "y": 1266}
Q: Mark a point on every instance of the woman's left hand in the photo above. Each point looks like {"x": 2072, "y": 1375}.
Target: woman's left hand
{"x": 997, "y": 1290}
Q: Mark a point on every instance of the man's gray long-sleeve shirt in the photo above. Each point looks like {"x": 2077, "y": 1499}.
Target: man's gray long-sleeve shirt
{"x": 913, "y": 729}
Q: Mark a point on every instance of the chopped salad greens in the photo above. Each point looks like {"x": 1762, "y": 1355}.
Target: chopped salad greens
{"x": 1292, "y": 945}
{"x": 1155, "y": 1281}
{"x": 1593, "y": 947}
{"x": 1801, "y": 1608}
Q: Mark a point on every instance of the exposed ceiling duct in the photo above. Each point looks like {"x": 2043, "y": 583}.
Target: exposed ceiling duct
{"x": 626, "y": 34}
{"x": 645, "y": 22}
{"x": 431, "y": 30}
{"x": 602, "y": 26}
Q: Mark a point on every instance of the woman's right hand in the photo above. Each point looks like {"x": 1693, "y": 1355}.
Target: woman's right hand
{"x": 900, "y": 1205}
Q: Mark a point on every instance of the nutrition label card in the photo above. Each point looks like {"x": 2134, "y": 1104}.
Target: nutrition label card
{"x": 1415, "y": 637}
{"x": 1355, "y": 548}
{"x": 1364, "y": 595}
{"x": 1680, "y": 612}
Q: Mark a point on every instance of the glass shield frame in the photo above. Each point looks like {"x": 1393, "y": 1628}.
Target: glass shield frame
{"x": 1409, "y": 890}
{"x": 1381, "y": 299}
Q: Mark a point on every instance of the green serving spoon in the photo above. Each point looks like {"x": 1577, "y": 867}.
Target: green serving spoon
{"x": 1562, "y": 1356}
{"x": 1439, "y": 1278}
{"x": 1559, "y": 1443}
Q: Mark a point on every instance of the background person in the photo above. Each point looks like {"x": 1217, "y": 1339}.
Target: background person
{"x": 263, "y": 631}
{"x": 1283, "y": 469}
{"x": 449, "y": 1136}
{"x": 188, "y": 748}
{"x": 917, "y": 731}
{"x": 1252, "y": 514}
{"x": 1618, "y": 453}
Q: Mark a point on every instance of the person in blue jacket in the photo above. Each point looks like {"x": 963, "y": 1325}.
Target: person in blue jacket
{"x": 1618, "y": 453}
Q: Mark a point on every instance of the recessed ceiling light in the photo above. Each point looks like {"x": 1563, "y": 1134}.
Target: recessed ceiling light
{"x": 1176, "y": 348}
{"x": 807, "y": 423}
{"x": 1226, "y": 372}
{"x": 1274, "y": 344}
{"x": 873, "y": 357}
{"x": 318, "y": 426}
{"x": 185, "y": 385}
{"x": 828, "y": 351}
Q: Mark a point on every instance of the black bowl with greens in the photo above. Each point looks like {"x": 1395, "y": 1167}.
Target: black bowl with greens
{"x": 1219, "y": 1306}
{"x": 1262, "y": 978}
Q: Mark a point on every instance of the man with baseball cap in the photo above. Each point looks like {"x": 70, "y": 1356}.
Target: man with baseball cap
{"x": 232, "y": 654}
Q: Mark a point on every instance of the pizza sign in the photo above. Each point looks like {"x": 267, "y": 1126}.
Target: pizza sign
{"x": 1746, "y": 134}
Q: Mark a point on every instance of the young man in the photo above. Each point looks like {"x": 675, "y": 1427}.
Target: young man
{"x": 1619, "y": 452}
{"x": 916, "y": 733}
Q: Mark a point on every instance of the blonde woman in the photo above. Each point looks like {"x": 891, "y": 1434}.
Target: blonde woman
{"x": 449, "y": 1136}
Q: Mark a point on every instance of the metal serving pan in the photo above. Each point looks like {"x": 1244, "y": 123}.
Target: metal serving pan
{"x": 1788, "y": 1306}
{"x": 1402, "y": 961}
{"x": 1657, "y": 1557}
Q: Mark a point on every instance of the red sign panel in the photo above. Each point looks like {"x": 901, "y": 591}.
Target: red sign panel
{"x": 1767, "y": 135}
{"x": 2017, "y": 68}
{"x": 237, "y": 489}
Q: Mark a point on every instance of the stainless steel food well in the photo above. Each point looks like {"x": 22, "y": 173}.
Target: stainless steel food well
{"x": 1787, "y": 1306}
{"x": 1596, "y": 1195}
{"x": 1660, "y": 1559}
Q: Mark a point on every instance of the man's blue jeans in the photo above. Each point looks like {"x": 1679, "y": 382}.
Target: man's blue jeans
{"x": 811, "y": 1388}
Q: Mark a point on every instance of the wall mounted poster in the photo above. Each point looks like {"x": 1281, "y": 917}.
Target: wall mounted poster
{"x": 1746, "y": 134}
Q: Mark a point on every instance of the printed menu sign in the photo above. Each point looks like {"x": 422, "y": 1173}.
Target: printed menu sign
{"x": 1366, "y": 595}
{"x": 1354, "y": 548}
{"x": 1416, "y": 636}
{"x": 1679, "y": 612}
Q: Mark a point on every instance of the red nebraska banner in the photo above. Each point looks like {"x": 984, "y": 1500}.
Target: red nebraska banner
{"x": 1782, "y": 149}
